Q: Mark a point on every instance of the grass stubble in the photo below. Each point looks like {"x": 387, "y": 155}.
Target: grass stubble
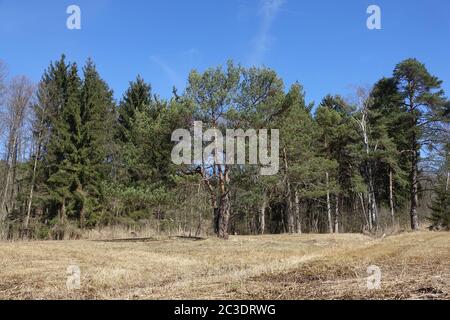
{"x": 413, "y": 265}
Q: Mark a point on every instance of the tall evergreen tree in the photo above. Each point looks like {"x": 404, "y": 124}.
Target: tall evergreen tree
{"x": 299, "y": 134}
{"x": 421, "y": 93}
{"x": 388, "y": 120}
{"x": 328, "y": 121}
{"x": 136, "y": 101}
{"x": 61, "y": 156}
{"x": 137, "y": 98}
{"x": 97, "y": 120}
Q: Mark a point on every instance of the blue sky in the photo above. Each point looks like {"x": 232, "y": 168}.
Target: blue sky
{"x": 324, "y": 44}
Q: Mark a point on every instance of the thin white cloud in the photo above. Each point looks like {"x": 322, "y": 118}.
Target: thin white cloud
{"x": 191, "y": 53}
{"x": 170, "y": 72}
{"x": 262, "y": 42}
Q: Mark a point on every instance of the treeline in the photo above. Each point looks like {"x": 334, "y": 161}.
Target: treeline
{"x": 74, "y": 159}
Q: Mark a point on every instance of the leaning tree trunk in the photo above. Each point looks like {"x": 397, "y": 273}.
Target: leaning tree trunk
{"x": 14, "y": 190}
{"x": 363, "y": 208}
{"x": 33, "y": 179}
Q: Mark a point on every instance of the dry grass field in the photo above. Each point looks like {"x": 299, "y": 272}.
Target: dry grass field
{"x": 413, "y": 265}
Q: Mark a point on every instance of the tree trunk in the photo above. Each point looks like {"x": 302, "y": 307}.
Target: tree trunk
{"x": 82, "y": 216}
{"x": 158, "y": 219}
{"x": 223, "y": 217}
{"x": 371, "y": 199}
{"x": 21, "y": 93}
{"x": 448, "y": 181}
{"x": 373, "y": 209}
{"x": 414, "y": 164}
{"x": 363, "y": 208}
{"x": 391, "y": 197}
{"x": 291, "y": 218}
{"x": 290, "y": 209}
{"x": 33, "y": 179}
{"x": 414, "y": 189}
{"x": 14, "y": 191}
{"x": 297, "y": 212}
{"x": 3, "y": 205}
{"x": 330, "y": 222}
{"x": 62, "y": 216}
{"x": 262, "y": 216}
{"x": 4, "y": 208}
{"x": 336, "y": 215}
{"x": 369, "y": 210}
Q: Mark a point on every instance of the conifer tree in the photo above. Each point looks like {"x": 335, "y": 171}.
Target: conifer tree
{"x": 421, "y": 94}
{"x": 96, "y": 116}
{"x": 387, "y": 119}
{"x": 62, "y": 157}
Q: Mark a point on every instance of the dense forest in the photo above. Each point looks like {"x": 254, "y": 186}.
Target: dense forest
{"x": 74, "y": 159}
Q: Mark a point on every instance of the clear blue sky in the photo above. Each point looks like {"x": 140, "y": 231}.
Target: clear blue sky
{"x": 324, "y": 44}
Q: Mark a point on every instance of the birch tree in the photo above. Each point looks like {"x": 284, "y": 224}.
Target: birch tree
{"x": 365, "y": 102}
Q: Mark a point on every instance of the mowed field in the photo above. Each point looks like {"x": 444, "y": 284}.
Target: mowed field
{"x": 413, "y": 266}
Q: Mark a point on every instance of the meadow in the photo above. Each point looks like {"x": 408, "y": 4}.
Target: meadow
{"x": 413, "y": 266}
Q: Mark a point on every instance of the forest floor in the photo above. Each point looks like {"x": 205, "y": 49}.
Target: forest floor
{"x": 413, "y": 266}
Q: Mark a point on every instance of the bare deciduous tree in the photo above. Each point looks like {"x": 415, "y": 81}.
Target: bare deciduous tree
{"x": 20, "y": 92}
{"x": 3, "y": 74}
{"x": 41, "y": 111}
{"x": 364, "y": 104}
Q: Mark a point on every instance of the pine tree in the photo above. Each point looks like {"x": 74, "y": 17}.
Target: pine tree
{"x": 388, "y": 129}
{"x": 421, "y": 93}
{"x": 328, "y": 121}
{"x": 337, "y": 142}
{"x": 299, "y": 133}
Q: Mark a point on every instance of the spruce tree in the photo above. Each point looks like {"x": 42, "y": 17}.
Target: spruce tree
{"x": 62, "y": 156}
{"x": 137, "y": 98}
{"x": 96, "y": 115}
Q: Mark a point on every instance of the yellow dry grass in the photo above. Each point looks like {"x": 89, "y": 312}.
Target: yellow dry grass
{"x": 413, "y": 265}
